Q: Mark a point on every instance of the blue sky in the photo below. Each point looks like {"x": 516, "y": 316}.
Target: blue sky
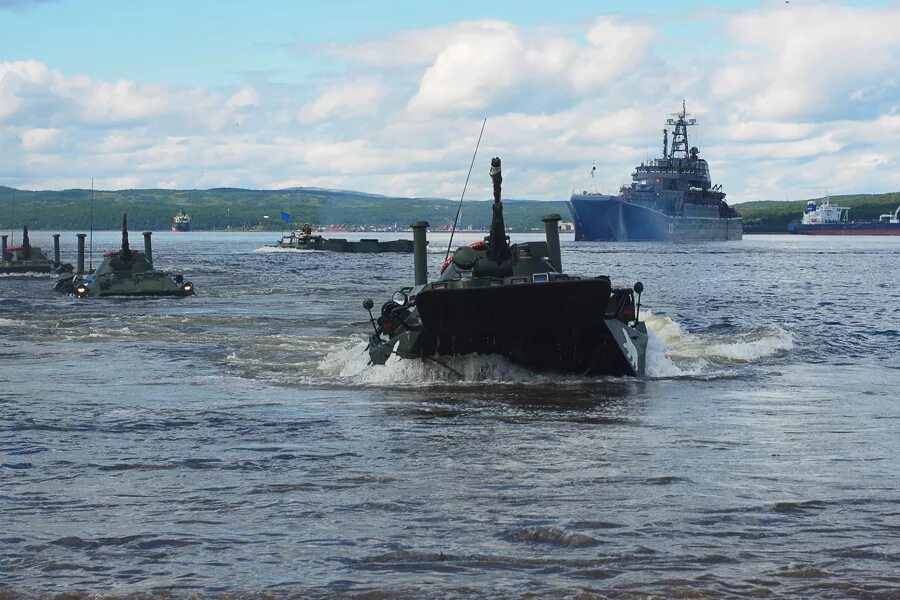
{"x": 215, "y": 43}
{"x": 794, "y": 99}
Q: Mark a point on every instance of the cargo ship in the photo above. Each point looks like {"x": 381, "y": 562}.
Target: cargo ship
{"x": 829, "y": 219}
{"x": 670, "y": 199}
{"x": 181, "y": 221}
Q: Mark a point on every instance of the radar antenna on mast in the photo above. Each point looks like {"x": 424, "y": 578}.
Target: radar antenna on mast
{"x": 593, "y": 187}
{"x": 680, "y": 146}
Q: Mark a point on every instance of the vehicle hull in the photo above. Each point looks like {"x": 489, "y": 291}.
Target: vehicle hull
{"x": 556, "y": 326}
{"x": 363, "y": 246}
{"x": 14, "y": 269}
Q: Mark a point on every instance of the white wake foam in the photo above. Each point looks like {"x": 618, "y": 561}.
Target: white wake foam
{"x": 274, "y": 250}
{"x": 35, "y": 275}
{"x": 671, "y": 352}
{"x": 690, "y": 350}
{"x": 350, "y": 364}
{"x": 658, "y": 364}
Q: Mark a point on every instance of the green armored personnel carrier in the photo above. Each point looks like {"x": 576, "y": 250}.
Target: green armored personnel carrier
{"x": 515, "y": 301}
{"x": 125, "y": 272}
{"x": 305, "y": 240}
{"x": 30, "y": 259}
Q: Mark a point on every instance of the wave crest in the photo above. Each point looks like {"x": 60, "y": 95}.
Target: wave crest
{"x": 716, "y": 348}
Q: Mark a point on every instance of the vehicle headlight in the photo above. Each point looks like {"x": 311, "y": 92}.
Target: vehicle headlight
{"x": 400, "y": 298}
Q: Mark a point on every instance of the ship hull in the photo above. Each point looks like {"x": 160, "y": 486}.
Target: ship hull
{"x": 611, "y": 219}
{"x": 181, "y": 227}
{"x": 872, "y": 228}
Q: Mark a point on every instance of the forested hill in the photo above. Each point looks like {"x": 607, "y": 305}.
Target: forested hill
{"x": 223, "y": 208}
{"x": 774, "y": 216}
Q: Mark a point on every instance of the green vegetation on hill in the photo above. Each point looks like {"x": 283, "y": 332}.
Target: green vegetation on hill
{"x": 224, "y": 208}
{"x": 774, "y": 216}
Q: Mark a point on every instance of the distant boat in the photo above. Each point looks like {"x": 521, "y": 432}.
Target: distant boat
{"x": 830, "y": 219}
{"x": 181, "y": 222}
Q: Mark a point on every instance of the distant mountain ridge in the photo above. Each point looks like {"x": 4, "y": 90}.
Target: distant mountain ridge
{"x": 239, "y": 208}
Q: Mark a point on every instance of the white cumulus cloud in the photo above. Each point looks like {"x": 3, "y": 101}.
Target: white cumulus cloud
{"x": 484, "y": 60}
{"x": 350, "y": 100}
{"x": 807, "y": 58}
{"x": 40, "y": 139}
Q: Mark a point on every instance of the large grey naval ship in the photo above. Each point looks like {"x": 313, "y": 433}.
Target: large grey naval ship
{"x": 670, "y": 198}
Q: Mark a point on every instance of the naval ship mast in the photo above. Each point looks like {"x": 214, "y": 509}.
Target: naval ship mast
{"x": 679, "y": 134}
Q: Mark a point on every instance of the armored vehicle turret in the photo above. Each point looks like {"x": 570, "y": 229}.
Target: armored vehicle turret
{"x": 515, "y": 301}
{"x": 26, "y": 258}
{"x": 125, "y": 272}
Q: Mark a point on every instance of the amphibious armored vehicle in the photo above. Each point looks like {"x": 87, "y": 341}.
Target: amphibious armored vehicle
{"x": 30, "y": 259}
{"x": 515, "y": 301}
{"x": 305, "y": 240}
{"x": 125, "y": 272}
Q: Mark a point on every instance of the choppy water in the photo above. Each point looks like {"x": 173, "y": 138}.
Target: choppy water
{"x": 236, "y": 443}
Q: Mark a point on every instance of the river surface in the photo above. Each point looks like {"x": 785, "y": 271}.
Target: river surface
{"x": 236, "y": 444}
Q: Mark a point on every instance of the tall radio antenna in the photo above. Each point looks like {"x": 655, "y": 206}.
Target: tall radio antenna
{"x": 91, "y": 264}
{"x": 459, "y": 209}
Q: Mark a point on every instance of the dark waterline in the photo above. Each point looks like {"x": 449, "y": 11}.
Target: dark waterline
{"x": 237, "y": 444}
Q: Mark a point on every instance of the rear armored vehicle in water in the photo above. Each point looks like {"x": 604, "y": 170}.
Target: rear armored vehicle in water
{"x": 305, "y": 239}
{"x": 26, "y": 258}
{"x": 125, "y": 272}
{"x": 515, "y": 301}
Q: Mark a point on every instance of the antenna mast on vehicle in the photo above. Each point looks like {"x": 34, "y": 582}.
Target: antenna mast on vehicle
{"x": 459, "y": 209}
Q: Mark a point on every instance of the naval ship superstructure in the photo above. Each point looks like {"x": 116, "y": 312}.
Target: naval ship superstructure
{"x": 181, "y": 221}
{"x": 670, "y": 198}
